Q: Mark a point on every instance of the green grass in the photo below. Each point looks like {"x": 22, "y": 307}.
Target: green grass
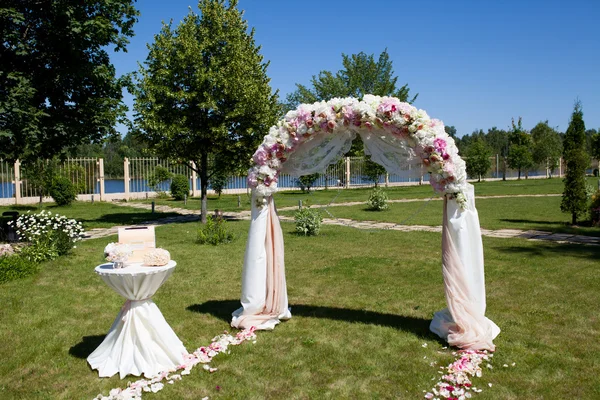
{"x": 322, "y": 197}
{"x": 362, "y": 303}
{"x": 525, "y": 213}
{"x": 97, "y": 215}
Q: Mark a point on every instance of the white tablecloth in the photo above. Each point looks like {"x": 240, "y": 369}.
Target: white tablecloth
{"x": 140, "y": 341}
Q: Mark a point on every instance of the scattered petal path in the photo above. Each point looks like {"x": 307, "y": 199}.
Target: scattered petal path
{"x": 202, "y": 355}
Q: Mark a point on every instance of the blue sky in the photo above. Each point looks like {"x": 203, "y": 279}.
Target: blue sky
{"x": 474, "y": 64}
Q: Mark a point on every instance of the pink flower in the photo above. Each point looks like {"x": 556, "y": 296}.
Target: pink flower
{"x": 261, "y": 156}
{"x": 440, "y": 145}
{"x": 303, "y": 114}
{"x": 388, "y": 105}
{"x": 348, "y": 113}
{"x": 252, "y": 179}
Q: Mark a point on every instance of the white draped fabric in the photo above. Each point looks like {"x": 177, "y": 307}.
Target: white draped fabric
{"x": 392, "y": 153}
{"x": 140, "y": 341}
{"x": 320, "y": 150}
{"x": 317, "y": 153}
{"x": 463, "y": 324}
{"x": 264, "y": 292}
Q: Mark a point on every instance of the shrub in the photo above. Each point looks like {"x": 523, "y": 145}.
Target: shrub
{"x": 50, "y": 235}
{"x": 180, "y": 187}
{"x": 15, "y": 266}
{"x": 160, "y": 175}
{"x": 308, "y": 221}
{"x": 218, "y": 182}
{"x": 214, "y": 232}
{"x": 377, "y": 200}
{"x": 63, "y": 191}
{"x": 306, "y": 182}
{"x": 372, "y": 171}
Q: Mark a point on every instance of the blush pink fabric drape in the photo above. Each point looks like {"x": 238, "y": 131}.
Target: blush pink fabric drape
{"x": 274, "y": 304}
{"x": 463, "y": 324}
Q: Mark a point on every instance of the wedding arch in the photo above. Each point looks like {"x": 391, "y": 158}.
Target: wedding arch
{"x": 402, "y": 139}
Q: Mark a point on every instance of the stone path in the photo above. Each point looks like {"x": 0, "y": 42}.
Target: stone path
{"x": 193, "y": 215}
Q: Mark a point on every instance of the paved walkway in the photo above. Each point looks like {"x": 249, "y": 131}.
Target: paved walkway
{"x": 193, "y": 215}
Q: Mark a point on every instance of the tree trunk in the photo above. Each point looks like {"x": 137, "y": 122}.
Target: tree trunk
{"x": 479, "y": 180}
{"x": 519, "y": 176}
{"x": 574, "y": 219}
{"x": 203, "y": 186}
{"x": 503, "y": 168}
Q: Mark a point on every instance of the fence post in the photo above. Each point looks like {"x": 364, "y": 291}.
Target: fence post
{"x": 17, "y": 182}
{"x": 387, "y": 179}
{"x": 101, "y": 178}
{"x": 497, "y": 166}
{"x": 347, "y": 175}
{"x": 560, "y": 167}
{"x": 126, "y": 176}
{"x": 194, "y": 180}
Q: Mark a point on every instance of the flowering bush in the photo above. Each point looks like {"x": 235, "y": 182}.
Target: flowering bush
{"x": 115, "y": 252}
{"x": 308, "y": 221}
{"x": 378, "y": 200}
{"x": 386, "y": 115}
{"x": 50, "y": 235}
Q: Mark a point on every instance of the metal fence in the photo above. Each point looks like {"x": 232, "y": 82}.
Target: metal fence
{"x": 88, "y": 176}
{"x": 7, "y": 179}
{"x": 142, "y": 170}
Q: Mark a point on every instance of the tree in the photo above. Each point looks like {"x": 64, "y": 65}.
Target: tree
{"x": 360, "y": 75}
{"x": 574, "y": 199}
{"x": 478, "y": 159}
{"x": 203, "y": 94}
{"x": 58, "y": 88}
{"x": 519, "y": 150}
{"x": 595, "y": 146}
{"x": 372, "y": 171}
{"x": 451, "y": 131}
{"x": 497, "y": 139}
{"x": 306, "y": 182}
{"x": 547, "y": 146}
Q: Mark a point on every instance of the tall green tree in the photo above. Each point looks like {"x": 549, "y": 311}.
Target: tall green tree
{"x": 547, "y": 146}
{"x": 360, "y": 75}
{"x": 595, "y": 146}
{"x": 519, "y": 150}
{"x": 478, "y": 159}
{"x": 574, "y": 199}
{"x": 203, "y": 92}
{"x": 58, "y": 88}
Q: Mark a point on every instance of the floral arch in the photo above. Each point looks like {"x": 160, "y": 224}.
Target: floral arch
{"x": 402, "y": 139}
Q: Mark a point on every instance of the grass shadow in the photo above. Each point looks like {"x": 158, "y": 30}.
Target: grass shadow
{"x": 418, "y": 326}
{"x": 544, "y": 249}
{"x": 87, "y": 345}
{"x": 131, "y": 218}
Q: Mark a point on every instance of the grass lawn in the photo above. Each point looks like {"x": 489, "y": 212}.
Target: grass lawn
{"x": 322, "y": 197}
{"x": 362, "y": 303}
{"x": 97, "y": 215}
{"x": 539, "y": 213}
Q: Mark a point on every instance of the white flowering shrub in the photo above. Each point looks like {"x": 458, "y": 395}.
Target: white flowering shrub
{"x": 378, "y": 200}
{"x": 49, "y": 235}
{"x": 308, "y": 221}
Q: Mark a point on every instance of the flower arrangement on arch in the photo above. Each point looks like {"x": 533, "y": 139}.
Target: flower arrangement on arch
{"x": 426, "y": 136}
